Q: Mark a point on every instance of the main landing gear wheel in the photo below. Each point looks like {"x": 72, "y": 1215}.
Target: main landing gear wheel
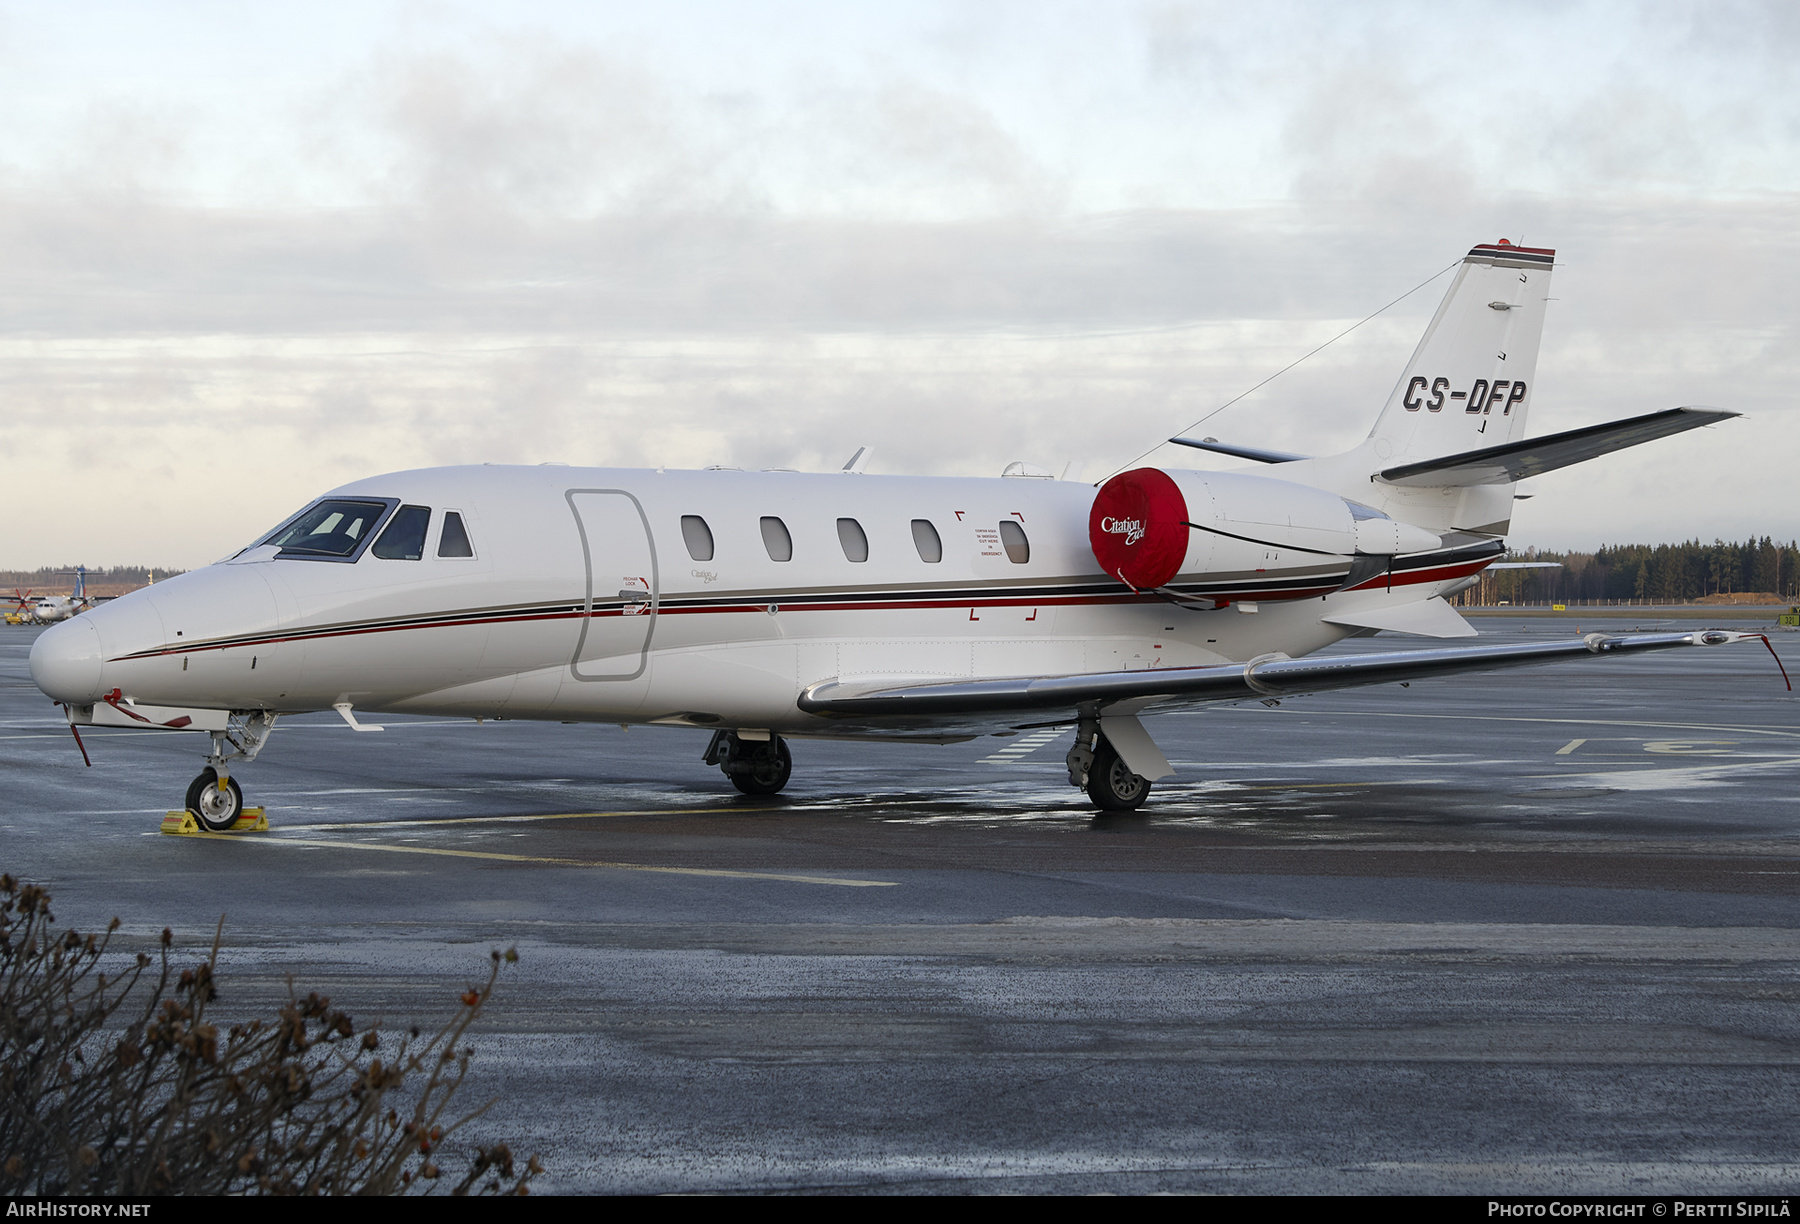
{"x": 215, "y": 807}
{"x": 763, "y": 772}
{"x": 1111, "y": 784}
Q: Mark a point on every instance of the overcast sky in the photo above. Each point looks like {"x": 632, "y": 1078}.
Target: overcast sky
{"x": 250, "y": 252}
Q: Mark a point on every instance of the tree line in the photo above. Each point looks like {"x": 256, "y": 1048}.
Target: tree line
{"x": 61, "y": 577}
{"x": 1660, "y": 573}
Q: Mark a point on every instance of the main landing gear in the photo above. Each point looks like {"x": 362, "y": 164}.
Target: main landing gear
{"x": 755, "y": 766}
{"x": 214, "y": 797}
{"x": 1096, "y": 766}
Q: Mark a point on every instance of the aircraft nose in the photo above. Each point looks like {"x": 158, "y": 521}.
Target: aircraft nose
{"x": 65, "y": 662}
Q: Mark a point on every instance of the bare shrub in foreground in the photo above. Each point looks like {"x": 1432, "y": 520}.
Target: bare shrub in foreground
{"x": 98, "y": 1097}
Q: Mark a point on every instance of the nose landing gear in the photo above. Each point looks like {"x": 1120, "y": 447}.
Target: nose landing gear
{"x": 756, "y": 767}
{"x": 214, "y": 797}
{"x": 215, "y": 802}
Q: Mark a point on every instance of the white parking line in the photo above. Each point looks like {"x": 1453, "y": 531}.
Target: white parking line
{"x": 1024, "y": 747}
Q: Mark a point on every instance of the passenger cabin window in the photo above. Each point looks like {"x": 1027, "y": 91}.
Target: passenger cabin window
{"x": 1018, "y": 548}
{"x": 697, "y": 536}
{"x": 453, "y": 541}
{"x": 329, "y": 529}
{"x": 856, "y": 544}
{"x": 404, "y": 539}
{"x": 777, "y": 540}
{"x": 925, "y": 539}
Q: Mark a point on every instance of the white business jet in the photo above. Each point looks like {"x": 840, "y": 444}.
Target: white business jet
{"x": 773, "y": 606}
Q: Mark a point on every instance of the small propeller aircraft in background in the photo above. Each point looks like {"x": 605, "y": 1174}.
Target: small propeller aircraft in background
{"x": 767, "y": 607}
{"x": 47, "y": 609}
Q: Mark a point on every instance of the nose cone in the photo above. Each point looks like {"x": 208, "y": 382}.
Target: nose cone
{"x": 65, "y": 662}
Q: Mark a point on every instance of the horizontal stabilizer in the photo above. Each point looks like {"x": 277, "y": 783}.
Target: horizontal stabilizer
{"x": 1239, "y": 452}
{"x": 1534, "y": 456}
{"x": 1268, "y": 676}
{"x": 1431, "y": 618}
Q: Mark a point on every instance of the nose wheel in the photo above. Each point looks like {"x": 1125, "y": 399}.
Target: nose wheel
{"x": 214, "y": 804}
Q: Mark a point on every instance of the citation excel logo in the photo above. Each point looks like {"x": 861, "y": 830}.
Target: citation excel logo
{"x": 1131, "y": 529}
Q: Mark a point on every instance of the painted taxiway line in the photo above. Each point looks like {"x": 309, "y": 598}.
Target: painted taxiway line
{"x": 1789, "y": 733}
{"x": 460, "y": 820}
{"x": 720, "y": 872}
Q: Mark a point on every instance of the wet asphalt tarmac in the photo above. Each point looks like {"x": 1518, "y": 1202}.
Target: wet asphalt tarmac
{"x": 1531, "y": 932}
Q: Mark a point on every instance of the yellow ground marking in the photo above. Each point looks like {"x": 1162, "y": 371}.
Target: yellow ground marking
{"x": 1569, "y": 747}
{"x": 723, "y": 873}
{"x": 453, "y": 820}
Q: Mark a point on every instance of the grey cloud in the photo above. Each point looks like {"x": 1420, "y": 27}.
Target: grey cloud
{"x": 104, "y": 266}
{"x": 909, "y": 142}
{"x": 530, "y": 126}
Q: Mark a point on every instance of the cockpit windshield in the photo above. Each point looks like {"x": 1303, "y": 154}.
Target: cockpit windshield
{"x": 334, "y": 528}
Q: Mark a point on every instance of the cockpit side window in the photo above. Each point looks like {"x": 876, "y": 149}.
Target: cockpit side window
{"x": 404, "y": 539}
{"x": 334, "y": 530}
{"x": 453, "y": 541}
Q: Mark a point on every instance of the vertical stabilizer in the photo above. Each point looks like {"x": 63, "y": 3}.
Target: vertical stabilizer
{"x": 1469, "y": 383}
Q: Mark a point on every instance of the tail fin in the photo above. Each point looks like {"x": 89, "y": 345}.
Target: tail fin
{"x": 1468, "y": 385}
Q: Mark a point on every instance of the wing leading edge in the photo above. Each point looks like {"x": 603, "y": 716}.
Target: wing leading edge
{"x": 1267, "y": 676}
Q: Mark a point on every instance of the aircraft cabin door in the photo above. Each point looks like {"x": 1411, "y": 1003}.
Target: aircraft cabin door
{"x": 622, "y": 589}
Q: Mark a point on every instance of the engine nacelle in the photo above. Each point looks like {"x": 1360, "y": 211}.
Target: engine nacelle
{"x": 1149, "y": 526}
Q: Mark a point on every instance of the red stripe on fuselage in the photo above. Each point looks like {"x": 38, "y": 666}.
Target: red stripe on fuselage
{"x": 1401, "y": 578}
{"x": 1440, "y": 573}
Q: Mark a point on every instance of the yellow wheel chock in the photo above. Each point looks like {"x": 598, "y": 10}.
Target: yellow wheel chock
{"x": 250, "y": 820}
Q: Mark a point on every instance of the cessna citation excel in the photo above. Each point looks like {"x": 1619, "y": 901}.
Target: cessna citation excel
{"x": 774, "y": 606}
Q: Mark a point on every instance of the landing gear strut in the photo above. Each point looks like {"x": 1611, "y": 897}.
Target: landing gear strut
{"x": 214, "y": 797}
{"x": 1096, "y": 766}
{"x": 756, "y": 767}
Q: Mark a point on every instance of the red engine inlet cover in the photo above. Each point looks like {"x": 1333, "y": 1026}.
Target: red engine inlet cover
{"x": 1138, "y": 528}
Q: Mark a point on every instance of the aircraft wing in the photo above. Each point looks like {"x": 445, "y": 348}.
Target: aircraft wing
{"x": 1534, "y": 456}
{"x": 1268, "y": 676}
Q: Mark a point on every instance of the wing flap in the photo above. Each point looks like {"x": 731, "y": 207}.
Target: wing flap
{"x": 1268, "y": 676}
{"x": 1517, "y": 461}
